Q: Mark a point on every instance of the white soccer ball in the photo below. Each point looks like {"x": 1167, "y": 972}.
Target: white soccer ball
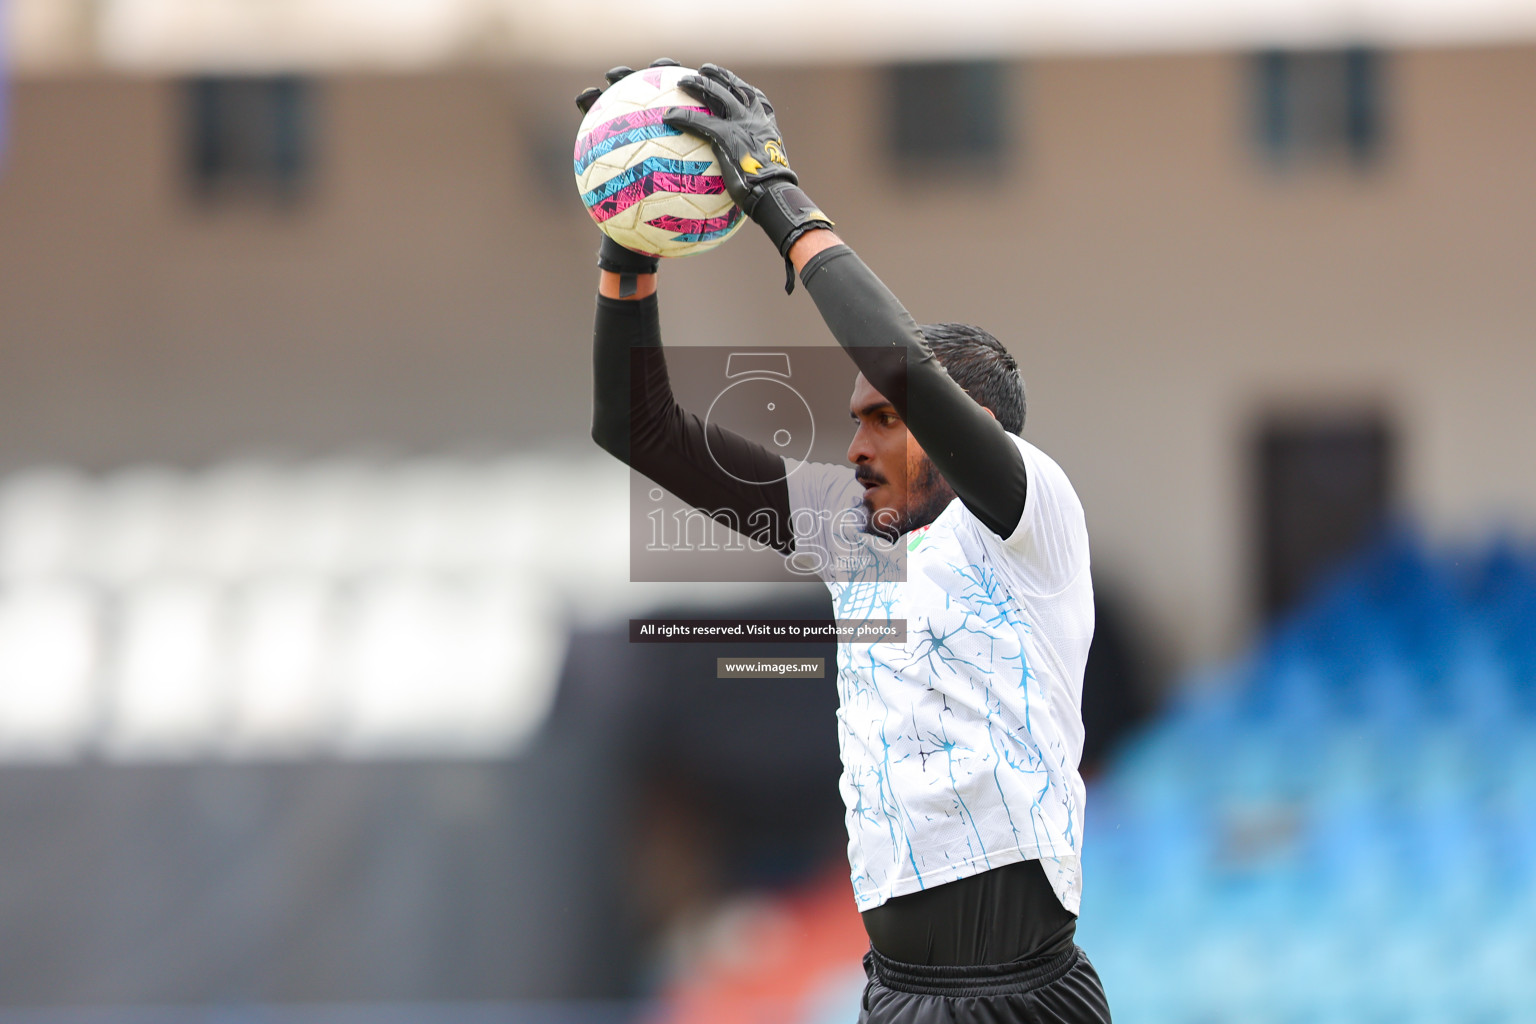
{"x": 652, "y": 188}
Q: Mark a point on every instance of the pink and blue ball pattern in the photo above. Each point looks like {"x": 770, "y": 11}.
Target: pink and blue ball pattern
{"x": 650, "y": 176}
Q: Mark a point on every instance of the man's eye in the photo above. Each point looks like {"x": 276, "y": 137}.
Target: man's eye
{"x": 889, "y": 419}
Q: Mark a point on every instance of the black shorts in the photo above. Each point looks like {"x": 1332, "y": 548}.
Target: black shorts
{"x": 1059, "y": 989}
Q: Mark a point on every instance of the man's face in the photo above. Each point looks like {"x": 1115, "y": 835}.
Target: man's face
{"x": 902, "y": 488}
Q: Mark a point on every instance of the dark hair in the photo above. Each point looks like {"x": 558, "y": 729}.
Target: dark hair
{"x": 980, "y": 365}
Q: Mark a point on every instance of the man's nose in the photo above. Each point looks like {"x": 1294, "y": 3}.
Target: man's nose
{"x": 858, "y": 448}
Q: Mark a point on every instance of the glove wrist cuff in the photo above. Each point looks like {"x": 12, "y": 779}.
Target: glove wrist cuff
{"x": 613, "y": 257}
{"x": 785, "y": 212}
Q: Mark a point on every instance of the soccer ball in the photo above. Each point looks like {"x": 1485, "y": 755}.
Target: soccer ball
{"x": 651, "y": 188}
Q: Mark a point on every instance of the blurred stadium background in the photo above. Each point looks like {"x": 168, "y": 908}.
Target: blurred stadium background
{"x": 316, "y": 700}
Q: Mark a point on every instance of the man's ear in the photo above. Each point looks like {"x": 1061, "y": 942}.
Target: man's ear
{"x": 989, "y": 412}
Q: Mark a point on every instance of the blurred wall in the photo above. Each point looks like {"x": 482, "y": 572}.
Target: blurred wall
{"x": 1159, "y": 282}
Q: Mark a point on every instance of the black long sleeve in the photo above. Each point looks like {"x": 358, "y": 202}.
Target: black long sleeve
{"x": 636, "y": 418}
{"x": 967, "y": 445}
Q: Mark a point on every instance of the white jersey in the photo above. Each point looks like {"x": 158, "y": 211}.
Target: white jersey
{"x": 960, "y": 746}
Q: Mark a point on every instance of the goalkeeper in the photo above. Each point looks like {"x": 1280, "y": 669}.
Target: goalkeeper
{"x": 960, "y": 747}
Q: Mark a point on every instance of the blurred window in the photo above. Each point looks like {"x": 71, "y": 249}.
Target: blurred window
{"x": 1318, "y": 104}
{"x": 165, "y": 684}
{"x": 249, "y": 136}
{"x": 1325, "y": 485}
{"x": 948, "y": 114}
{"x": 48, "y": 658}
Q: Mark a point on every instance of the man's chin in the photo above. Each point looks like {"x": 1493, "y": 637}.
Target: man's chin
{"x": 885, "y": 523}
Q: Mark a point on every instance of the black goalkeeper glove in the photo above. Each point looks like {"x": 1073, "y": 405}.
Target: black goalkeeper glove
{"x": 612, "y": 256}
{"x": 741, "y": 127}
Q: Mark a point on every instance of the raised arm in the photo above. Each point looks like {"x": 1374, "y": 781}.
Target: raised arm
{"x": 966, "y": 443}
{"x": 636, "y": 419}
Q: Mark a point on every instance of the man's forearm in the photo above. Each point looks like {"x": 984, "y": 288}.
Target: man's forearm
{"x": 622, "y": 323}
{"x": 620, "y": 327}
